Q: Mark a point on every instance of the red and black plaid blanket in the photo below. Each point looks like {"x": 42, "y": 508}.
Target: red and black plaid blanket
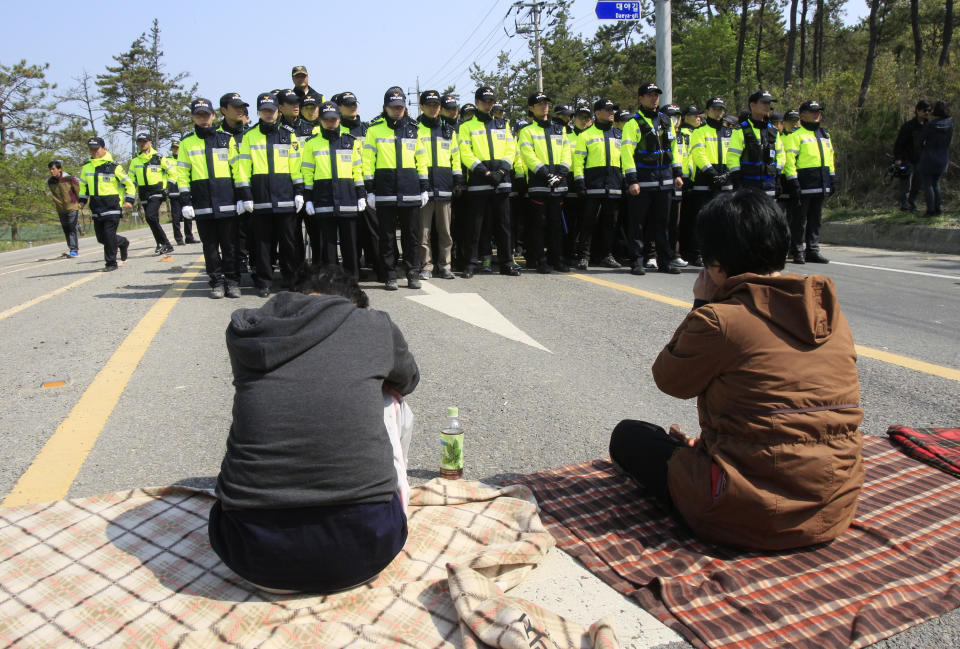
{"x": 939, "y": 447}
{"x": 897, "y": 566}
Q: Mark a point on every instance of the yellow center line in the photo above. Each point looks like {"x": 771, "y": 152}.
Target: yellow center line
{"x": 59, "y": 461}
{"x": 869, "y": 352}
{"x": 37, "y": 300}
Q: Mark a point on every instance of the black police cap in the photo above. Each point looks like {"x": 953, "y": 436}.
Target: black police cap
{"x": 267, "y": 100}
{"x": 232, "y": 99}
{"x": 430, "y": 97}
{"x": 329, "y": 110}
{"x": 95, "y": 143}
{"x": 792, "y": 114}
{"x": 143, "y": 137}
{"x": 449, "y": 102}
{"x": 201, "y": 105}
{"x": 484, "y": 93}
{"x": 536, "y": 98}
{"x": 648, "y": 87}
{"x": 671, "y": 110}
{"x": 811, "y": 104}
{"x": 716, "y": 101}
{"x": 288, "y": 97}
{"x": 345, "y": 98}
{"x": 582, "y": 108}
{"x": 394, "y": 97}
{"x": 467, "y": 107}
{"x": 761, "y": 96}
{"x": 604, "y": 104}
{"x": 691, "y": 110}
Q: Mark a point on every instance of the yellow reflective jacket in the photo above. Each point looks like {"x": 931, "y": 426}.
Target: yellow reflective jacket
{"x": 333, "y": 173}
{"x": 149, "y": 173}
{"x": 204, "y": 168}
{"x": 545, "y": 149}
{"x": 810, "y": 160}
{"x": 267, "y": 170}
{"x": 756, "y": 155}
{"x": 101, "y": 183}
{"x": 442, "y": 153}
{"x": 596, "y": 161}
{"x": 709, "y": 154}
{"x": 486, "y": 144}
{"x": 648, "y": 153}
{"x": 394, "y": 162}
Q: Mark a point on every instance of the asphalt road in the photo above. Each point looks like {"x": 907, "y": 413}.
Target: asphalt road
{"x": 524, "y": 409}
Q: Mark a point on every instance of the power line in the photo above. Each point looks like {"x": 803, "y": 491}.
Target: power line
{"x": 463, "y": 44}
{"x": 483, "y": 44}
{"x": 466, "y": 71}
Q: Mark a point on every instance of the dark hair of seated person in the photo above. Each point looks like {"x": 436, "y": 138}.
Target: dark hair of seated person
{"x": 744, "y": 232}
{"x": 333, "y": 280}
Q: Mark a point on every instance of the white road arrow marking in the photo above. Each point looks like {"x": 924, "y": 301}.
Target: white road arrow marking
{"x": 473, "y": 309}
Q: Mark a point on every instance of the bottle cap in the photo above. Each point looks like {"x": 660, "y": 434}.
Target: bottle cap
{"x": 453, "y": 411}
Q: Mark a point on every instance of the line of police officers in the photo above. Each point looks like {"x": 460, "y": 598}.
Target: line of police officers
{"x": 451, "y": 181}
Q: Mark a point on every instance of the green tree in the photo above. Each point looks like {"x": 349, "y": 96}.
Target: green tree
{"x": 23, "y": 106}
{"x": 137, "y": 95}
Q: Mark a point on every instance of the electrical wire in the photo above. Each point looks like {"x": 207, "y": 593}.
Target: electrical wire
{"x": 444, "y": 66}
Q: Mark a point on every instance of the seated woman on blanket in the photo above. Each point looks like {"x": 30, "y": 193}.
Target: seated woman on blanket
{"x": 771, "y": 360}
{"x": 312, "y": 491}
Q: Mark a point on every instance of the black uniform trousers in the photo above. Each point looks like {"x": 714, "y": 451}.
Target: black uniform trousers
{"x": 461, "y": 229}
{"x": 570, "y": 224}
{"x": 489, "y": 218}
{"x": 271, "y": 229}
{"x": 910, "y": 187}
{"x": 105, "y": 228}
{"x": 673, "y": 225}
{"x": 220, "y": 238}
{"x": 647, "y": 215}
{"x": 329, "y": 229}
{"x": 408, "y": 218}
{"x": 544, "y": 225}
{"x": 151, "y": 212}
{"x": 68, "y": 223}
{"x": 687, "y": 243}
{"x": 805, "y": 223}
{"x": 642, "y": 451}
{"x": 176, "y": 219}
{"x": 368, "y": 242}
{"x": 599, "y": 217}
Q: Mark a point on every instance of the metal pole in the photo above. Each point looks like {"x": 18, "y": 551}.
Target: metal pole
{"x": 536, "y": 31}
{"x": 664, "y": 50}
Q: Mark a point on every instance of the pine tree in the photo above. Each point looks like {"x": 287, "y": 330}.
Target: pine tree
{"x": 137, "y": 95}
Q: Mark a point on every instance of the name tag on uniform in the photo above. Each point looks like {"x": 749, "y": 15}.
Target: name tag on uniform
{"x": 283, "y": 150}
{"x": 220, "y": 154}
{"x": 501, "y": 135}
{"x": 345, "y": 155}
{"x": 444, "y": 144}
{"x": 410, "y": 144}
{"x": 556, "y": 140}
{"x": 154, "y": 169}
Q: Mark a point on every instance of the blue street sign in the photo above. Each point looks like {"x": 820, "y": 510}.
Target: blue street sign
{"x": 618, "y": 10}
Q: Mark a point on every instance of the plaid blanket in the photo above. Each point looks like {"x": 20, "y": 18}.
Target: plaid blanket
{"x": 897, "y": 566}
{"x": 135, "y": 569}
{"x": 939, "y": 447}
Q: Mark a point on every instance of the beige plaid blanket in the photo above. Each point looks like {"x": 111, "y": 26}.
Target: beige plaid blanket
{"x": 135, "y": 569}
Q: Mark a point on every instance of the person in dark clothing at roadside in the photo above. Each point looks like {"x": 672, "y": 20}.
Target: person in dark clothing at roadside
{"x": 906, "y": 153}
{"x": 935, "y": 156}
{"x": 65, "y": 190}
{"x": 309, "y": 492}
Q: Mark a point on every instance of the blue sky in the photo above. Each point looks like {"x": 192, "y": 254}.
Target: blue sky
{"x": 249, "y": 47}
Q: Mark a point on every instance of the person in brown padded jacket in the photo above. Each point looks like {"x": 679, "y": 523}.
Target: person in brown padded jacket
{"x": 771, "y": 360}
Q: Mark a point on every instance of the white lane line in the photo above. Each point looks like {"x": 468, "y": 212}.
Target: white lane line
{"x": 895, "y": 270}
{"x": 474, "y": 310}
{"x": 37, "y": 300}
{"x": 29, "y": 265}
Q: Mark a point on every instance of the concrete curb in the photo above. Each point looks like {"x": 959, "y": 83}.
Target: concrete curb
{"x": 892, "y": 237}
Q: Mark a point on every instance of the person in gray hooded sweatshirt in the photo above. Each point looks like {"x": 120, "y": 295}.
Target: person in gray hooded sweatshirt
{"x": 307, "y": 496}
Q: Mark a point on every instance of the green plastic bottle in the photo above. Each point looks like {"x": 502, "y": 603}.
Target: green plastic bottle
{"x": 451, "y": 446}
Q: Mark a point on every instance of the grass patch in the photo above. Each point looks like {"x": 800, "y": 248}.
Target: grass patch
{"x": 888, "y": 217}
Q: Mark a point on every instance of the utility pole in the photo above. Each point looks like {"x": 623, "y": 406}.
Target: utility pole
{"x": 664, "y": 50}
{"x": 533, "y": 27}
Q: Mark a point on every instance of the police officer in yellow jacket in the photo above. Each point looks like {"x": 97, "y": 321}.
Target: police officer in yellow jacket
{"x": 440, "y": 143}
{"x": 598, "y": 178}
{"x": 180, "y": 225}
{"x": 689, "y": 248}
{"x": 756, "y": 150}
{"x": 487, "y": 150}
{"x": 333, "y": 184}
{"x": 102, "y": 183}
{"x": 652, "y": 170}
{"x": 709, "y": 154}
{"x": 547, "y": 157}
{"x": 148, "y": 172}
{"x": 206, "y": 192}
{"x": 395, "y": 176}
{"x": 270, "y": 186}
{"x": 811, "y": 177}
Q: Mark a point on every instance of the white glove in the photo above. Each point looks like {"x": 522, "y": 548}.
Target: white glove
{"x": 247, "y": 207}
{"x": 424, "y": 197}
{"x": 372, "y": 201}
{"x": 309, "y": 208}
{"x": 187, "y": 212}
{"x": 297, "y": 203}
{"x": 361, "y": 205}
